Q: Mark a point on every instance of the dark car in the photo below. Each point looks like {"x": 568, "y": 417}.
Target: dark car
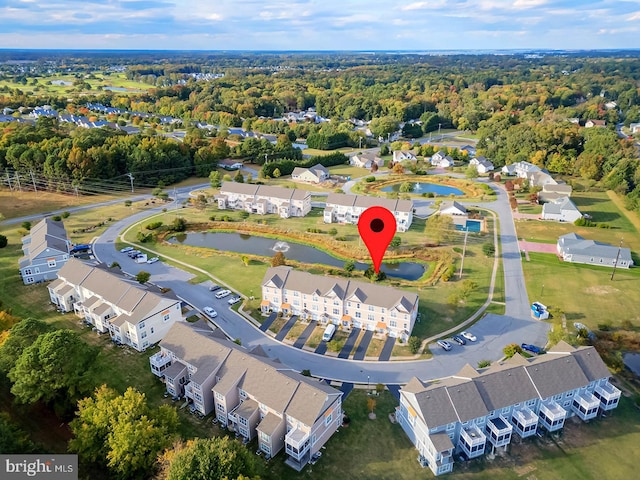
{"x": 531, "y": 348}
{"x": 214, "y": 287}
{"x": 459, "y": 340}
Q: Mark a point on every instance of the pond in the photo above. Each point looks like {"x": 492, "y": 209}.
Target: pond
{"x": 425, "y": 187}
{"x": 632, "y": 362}
{"x": 242, "y": 243}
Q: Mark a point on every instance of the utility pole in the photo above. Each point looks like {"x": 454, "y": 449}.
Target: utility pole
{"x": 439, "y": 137}
{"x": 464, "y": 250}
{"x": 131, "y": 177}
{"x": 17, "y": 177}
{"x": 360, "y": 143}
{"x": 616, "y": 262}
{"x": 33, "y": 180}
{"x": 9, "y": 182}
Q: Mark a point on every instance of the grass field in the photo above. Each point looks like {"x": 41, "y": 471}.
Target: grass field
{"x": 43, "y": 84}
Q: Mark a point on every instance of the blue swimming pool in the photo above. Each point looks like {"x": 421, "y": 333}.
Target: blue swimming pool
{"x": 470, "y": 225}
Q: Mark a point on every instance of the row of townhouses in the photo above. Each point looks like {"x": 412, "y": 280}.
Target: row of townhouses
{"x": 264, "y": 199}
{"x": 474, "y": 412}
{"x": 342, "y": 208}
{"x": 348, "y": 303}
{"x": 46, "y": 249}
{"x": 250, "y": 394}
{"x": 112, "y": 303}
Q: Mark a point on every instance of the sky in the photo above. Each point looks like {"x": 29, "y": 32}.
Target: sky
{"x": 320, "y": 24}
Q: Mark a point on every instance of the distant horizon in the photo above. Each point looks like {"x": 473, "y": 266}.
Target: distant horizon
{"x": 320, "y": 25}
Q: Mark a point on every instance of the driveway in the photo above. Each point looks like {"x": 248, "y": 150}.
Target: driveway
{"x": 537, "y": 247}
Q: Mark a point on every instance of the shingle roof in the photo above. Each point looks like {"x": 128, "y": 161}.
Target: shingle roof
{"x": 270, "y": 423}
{"x": 552, "y": 376}
{"x": 441, "y": 441}
{"x": 362, "y": 201}
{"x": 572, "y": 243}
{"x": 264, "y": 191}
{"x": 46, "y": 234}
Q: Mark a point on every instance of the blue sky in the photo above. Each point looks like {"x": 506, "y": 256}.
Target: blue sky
{"x": 320, "y": 24}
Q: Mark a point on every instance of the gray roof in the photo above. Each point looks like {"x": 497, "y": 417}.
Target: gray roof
{"x": 48, "y": 237}
{"x": 264, "y": 191}
{"x": 574, "y": 244}
{"x": 559, "y": 205}
{"x": 464, "y": 396}
{"x": 270, "y": 423}
{"x": 377, "y": 295}
{"x": 281, "y": 389}
{"x": 362, "y": 201}
{"x": 441, "y": 442}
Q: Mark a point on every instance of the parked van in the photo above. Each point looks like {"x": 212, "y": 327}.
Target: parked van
{"x": 328, "y": 332}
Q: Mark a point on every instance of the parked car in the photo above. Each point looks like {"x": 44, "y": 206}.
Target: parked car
{"x": 210, "y": 312}
{"x": 214, "y": 287}
{"x": 444, "y": 344}
{"x": 234, "y": 300}
{"x": 133, "y": 253}
{"x": 531, "y": 348}
{"x": 126, "y": 249}
{"x": 153, "y": 260}
{"x": 459, "y": 340}
{"x": 469, "y": 336}
{"x": 223, "y": 293}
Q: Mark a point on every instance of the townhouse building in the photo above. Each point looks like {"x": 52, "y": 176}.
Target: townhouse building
{"x": 46, "y": 250}
{"x": 343, "y": 208}
{"x": 250, "y": 394}
{"x": 264, "y": 199}
{"x": 348, "y": 303}
{"x": 476, "y": 411}
{"x": 132, "y": 314}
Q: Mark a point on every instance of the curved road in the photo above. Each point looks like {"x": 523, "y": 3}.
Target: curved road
{"x": 493, "y": 331}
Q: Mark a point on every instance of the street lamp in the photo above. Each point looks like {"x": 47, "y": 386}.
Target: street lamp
{"x": 368, "y": 384}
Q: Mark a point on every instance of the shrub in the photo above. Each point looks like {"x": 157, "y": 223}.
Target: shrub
{"x": 484, "y": 363}
{"x": 448, "y": 273}
{"x": 511, "y": 349}
{"x": 212, "y": 218}
{"x": 56, "y": 218}
{"x": 489, "y": 249}
{"x": 128, "y": 203}
{"x": 153, "y": 225}
{"x": 244, "y": 214}
{"x": 143, "y": 277}
{"x": 26, "y": 226}
{"x": 370, "y": 179}
{"x": 333, "y": 231}
{"x": 414, "y": 344}
{"x": 114, "y": 265}
{"x": 3, "y": 241}
{"x": 65, "y": 214}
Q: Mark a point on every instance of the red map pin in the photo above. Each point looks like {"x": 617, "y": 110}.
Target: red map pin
{"x": 377, "y": 226}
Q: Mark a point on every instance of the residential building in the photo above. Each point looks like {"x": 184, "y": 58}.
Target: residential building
{"x": 402, "y": 155}
{"x": 264, "y": 199}
{"x": 441, "y": 160}
{"x": 552, "y": 192}
{"x": 366, "y": 160}
{"x": 540, "y": 179}
{"x": 635, "y": 128}
{"x": 230, "y": 164}
{"x": 576, "y": 249}
{"x": 316, "y": 174}
{"x": 251, "y": 395}
{"x": 452, "y": 208}
{"x": 46, "y": 250}
{"x": 482, "y": 164}
{"x": 342, "y": 208}
{"x": 595, "y": 123}
{"x": 561, "y": 210}
{"x": 470, "y": 149}
{"x": 520, "y": 169}
{"x": 475, "y": 411}
{"x": 348, "y": 303}
{"x": 131, "y": 313}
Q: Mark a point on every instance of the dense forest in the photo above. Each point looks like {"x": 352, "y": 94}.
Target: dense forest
{"x": 521, "y": 106}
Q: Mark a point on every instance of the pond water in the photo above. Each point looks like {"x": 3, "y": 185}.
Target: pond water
{"x": 242, "y": 243}
{"x": 424, "y": 187}
{"x": 632, "y": 362}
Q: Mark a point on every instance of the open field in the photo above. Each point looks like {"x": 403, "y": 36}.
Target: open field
{"x": 97, "y": 81}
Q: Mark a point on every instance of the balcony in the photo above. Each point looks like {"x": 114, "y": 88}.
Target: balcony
{"x": 585, "y": 405}
{"x": 552, "y": 415}
{"x": 297, "y": 443}
{"x": 608, "y": 396}
{"x": 472, "y": 441}
{"x": 525, "y": 422}
{"x": 499, "y": 431}
{"x": 188, "y": 391}
{"x": 159, "y": 362}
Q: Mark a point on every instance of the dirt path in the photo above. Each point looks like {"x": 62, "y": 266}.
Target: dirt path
{"x": 631, "y": 216}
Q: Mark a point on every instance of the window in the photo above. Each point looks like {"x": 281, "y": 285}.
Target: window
{"x": 393, "y": 324}
{"x": 141, "y": 325}
{"x": 336, "y": 311}
{"x": 371, "y": 307}
{"x": 370, "y": 317}
{"x": 51, "y": 263}
{"x": 28, "y": 271}
{"x": 328, "y": 418}
{"x": 143, "y": 335}
{"x": 394, "y": 314}
{"x": 29, "y": 280}
{"x": 166, "y": 318}
{"x": 358, "y": 315}
{"x": 152, "y": 330}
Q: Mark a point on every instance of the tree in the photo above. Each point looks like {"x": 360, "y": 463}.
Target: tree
{"x": 22, "y": 335}
{"x": 212, "y": 459}
{"x": 489, "y": 249}
{"x": 246, "y": 260}
{"x": 143, "y": 277}
{"x": 405, "y": 187}
{"x": 414, "y": 344}
{"x": 349, "y": 266}
{"x": 383, "y": 126}
{"x": 396, "y": 241}
{"x": 471, "y": 172}
{"x": 398, "y": 169}
{"x": 122, "y": 431}
{"x": 384, "y": 149}
{"x": 12, "y": 439}
{"x": 439, "y": 228}
{"x": 3, "y": 241}
{"x": 179, "y": 224}
{"x": 278, "y": 260}
{"x": 511, "y": 349}
{"x": 238, "y": 178}
{"x": 55, "y": 368}
{"x": 26, "y": 225}
{"x": 214, "y": 179}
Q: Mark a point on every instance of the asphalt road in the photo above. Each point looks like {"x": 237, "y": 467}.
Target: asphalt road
{"x": 493, "y": 331}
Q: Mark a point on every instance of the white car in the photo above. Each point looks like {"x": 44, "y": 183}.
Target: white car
{"x": 223, "y": 293}
{"x": 469, "y": 336}
{"x": 210, "y": 312}
{"x": 153, "y": 260}
{"x": 234, "y": 300}
{"x": 126, "y": 249}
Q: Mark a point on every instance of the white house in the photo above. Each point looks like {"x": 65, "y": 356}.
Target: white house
{"x": 452, "y": 208}
{"x": 595, "y": 123}
{"x": 540, "y": 179}
{"x": 348, "y": 303}
{"x": 341, "y": 208}
{"x": 402, "y": 155}
{"x": 46, "y": 250}
{"x": 520, "y": 169}
{"x": 230, "y": 164}
{"x": 316, "y": 174}
{"x": 131, "y": 313}
{"x": 561, "y": 209}
{"x": 476, "y": 411}
{"x": 635, "y": 128}
{"x": 552, "y": 192}
{"x": 252, "y": 395}
{"x": 366, "y": 160}
{"x": 264, "y": 199}
{"x": 482, "y": 164}
{"x": 576, "y": 249}
{"x": 441, "y": 160}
